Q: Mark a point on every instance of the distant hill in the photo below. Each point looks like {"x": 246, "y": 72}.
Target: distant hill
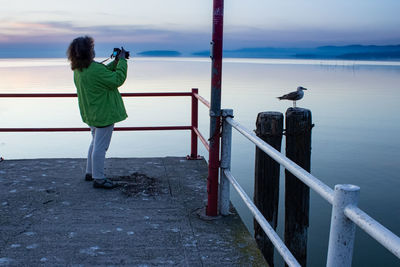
{"x": 260, "y": 52}
{"x": 350, "y": 52}
{"x": 369, "y": 52}
{"x": 361, "y": 52}
{"x": 160, "y": 53}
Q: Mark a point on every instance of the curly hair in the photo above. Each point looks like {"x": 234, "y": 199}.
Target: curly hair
{"x": 81, "y": 52}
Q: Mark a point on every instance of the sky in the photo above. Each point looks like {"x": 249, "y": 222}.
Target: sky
{"x": 186, "y": 25}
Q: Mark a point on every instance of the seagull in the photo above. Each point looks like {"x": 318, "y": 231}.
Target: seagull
{"x": 294, "y": 96}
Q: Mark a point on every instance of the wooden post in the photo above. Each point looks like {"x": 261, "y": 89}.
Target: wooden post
{"x": 297, "y": 194}
{"x": 266, "y": 185}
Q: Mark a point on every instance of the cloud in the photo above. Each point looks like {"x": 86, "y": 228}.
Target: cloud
{"x": 29, "y": 39}
{"x": 15, "y": 32}
{"x": 33, "y": 37}
{"x": 59, "y": 32}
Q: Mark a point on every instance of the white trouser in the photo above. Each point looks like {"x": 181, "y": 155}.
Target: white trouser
{"x": 101, "y": 138}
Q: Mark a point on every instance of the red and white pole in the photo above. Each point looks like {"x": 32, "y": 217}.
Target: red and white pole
{"x": 215, "y": 109}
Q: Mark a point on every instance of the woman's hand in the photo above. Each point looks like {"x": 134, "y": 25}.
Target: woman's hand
{"x": 122, "y": 54}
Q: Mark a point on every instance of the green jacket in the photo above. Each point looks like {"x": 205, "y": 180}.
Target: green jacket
{"x": 100, "y": 102}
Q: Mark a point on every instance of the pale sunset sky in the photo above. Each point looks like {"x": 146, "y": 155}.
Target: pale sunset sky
{"x": 185, "y": 25}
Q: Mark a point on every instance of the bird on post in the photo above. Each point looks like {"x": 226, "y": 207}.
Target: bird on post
{"x": 294, "y": 96}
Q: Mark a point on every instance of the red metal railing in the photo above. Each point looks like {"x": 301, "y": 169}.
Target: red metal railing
{"x": 195, "y": 133}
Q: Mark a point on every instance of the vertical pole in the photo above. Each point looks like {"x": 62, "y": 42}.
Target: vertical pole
{"x": 226, "y": 145}
{"x": 297, "y": 194}
{"x": 269, "y": 127}
{"x": 342, "y": 233}
{"x": 195, "y": 124}
{"x": 215, "y": 109}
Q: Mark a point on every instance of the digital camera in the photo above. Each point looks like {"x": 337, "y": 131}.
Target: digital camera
{"x": 117, "y": 51}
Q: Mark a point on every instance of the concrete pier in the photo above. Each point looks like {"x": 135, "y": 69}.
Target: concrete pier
{"x": 50, "y": 216}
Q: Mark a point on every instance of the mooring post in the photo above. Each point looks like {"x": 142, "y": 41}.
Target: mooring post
{"x": 226, "y": 145}
{"x": 269, "y": 127}
{"x": 342, "y": 233}
{"x": 297, "y": 194}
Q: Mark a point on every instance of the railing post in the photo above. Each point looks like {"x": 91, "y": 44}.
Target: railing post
{"x": 342, "y": 233}
{"x": 226, "y": 145}
{"x": 194, "y": 125}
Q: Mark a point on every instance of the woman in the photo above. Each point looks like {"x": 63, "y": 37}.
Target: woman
{"x": 100, "y": 102}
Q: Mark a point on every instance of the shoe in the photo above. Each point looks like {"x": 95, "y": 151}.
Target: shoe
{"x": 88, "y": 177}
{"x": 106, "y": 184}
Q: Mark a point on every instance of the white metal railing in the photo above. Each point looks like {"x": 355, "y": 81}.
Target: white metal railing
{"x": 344, "y": 199}
{"x": 269, "y": 231}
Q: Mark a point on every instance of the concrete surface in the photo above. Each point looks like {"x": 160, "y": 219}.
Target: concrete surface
{"x": 50, "y": 216}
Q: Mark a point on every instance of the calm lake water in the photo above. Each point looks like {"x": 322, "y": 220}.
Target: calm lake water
{"x": 354, "y": 106}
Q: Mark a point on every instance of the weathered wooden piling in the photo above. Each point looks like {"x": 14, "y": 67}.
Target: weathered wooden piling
{"x": 297, "y": 194}
{"x": 269, "y": 127}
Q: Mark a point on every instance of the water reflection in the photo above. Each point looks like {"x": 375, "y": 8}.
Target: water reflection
{"x": 355, "y": 138}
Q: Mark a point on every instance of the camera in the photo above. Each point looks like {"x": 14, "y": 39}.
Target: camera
{"x": 117, "y": 51}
